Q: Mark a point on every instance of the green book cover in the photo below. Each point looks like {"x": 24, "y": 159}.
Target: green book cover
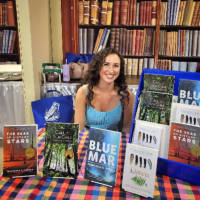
{"x": 155, "y": 107}
{"x": 60, "y": 151}
{"x": 159, "y": 83}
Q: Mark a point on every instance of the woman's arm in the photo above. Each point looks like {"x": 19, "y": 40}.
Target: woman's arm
{"x": 128, "y": 112}
{"x": 80, "y": 108}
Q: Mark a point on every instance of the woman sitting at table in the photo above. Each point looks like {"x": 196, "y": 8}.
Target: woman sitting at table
{"x": 105, "y": 101}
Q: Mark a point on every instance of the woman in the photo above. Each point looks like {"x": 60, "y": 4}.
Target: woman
{"x": 105, "y": 101}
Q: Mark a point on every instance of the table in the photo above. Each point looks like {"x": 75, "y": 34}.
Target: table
{"x": 39, "y": 187}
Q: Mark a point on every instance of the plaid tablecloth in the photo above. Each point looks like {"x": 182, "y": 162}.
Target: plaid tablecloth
{"x": 39, "y": 187}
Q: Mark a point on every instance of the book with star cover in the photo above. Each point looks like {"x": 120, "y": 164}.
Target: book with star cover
{"x": 61, "y": 150}
{"x": 184, "y": 145}
{"x": 20, "y": 150}
{"x": 102, "y": 156}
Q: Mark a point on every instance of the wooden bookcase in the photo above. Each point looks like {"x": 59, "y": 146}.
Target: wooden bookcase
{"x": 161, "y": 61}
{"x": 9, "y": 43}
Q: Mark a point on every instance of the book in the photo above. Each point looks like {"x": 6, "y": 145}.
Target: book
{"x": 90, "y": 40}
{"x": 116, "y": 12}
{"x": 80, "y": 35}
{"x": 60, "y": 150}
{"x": 102, "y": 39}
{"x": 140, "y": 170}
{"x": 102, "y": 156}
{"x": 94, "y": 16}
{"x": 184, "y": 144}
{"x": 106, "y": 39}
{"x": 109, "y": 13}
{"x": 155, "y": 107}
{"x": 123, "y": 12}
{"x": 104, "y": 8}
{"x": 186, "y": 114}
{"x": 86, "y": 12}
{"x": 147, "y": 134}
{"x": 98, "y": 39}
{"x": 19, "y": 150}
{"x": 159, "y": 83}
{"x": 189, "y": 92}
{"x": 80, "y": 12}
{"x": 10, "y": 13}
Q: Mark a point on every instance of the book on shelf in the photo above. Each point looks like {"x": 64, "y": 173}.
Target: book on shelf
{"x": 102, "y": 39}
{"x": 106, "y": 38}
{"x": 189, "y": 92}
{"x": 109, "y": 13}
{"x": 123, "y": 12}
{"x": 60, "y": 150}
{"x": 20, "y": 150}
{"x": 102, "y": 156}
{"x": 80, "y": 11}
{"x": 10, "y": 13}
{"x": 184, "y": 144}
{"x": 80, "y": 37}
{"x": 94, "y": 15}
{"x": 104, "y": 10}
{"x": 86, "y": 12}
{"x": 116, "y": 12}
{"x": 186, "y": 114}
{"x": 98, "y": 40}
{"x": 90, "y": 40}
{"x": 85, "y": 40}
{"x": 140, "y": 170}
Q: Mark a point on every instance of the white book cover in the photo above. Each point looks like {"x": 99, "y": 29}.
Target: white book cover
{"x": 140, "y": 170}
{"x": 185, "y": 114}
{"x": 147, "y": 134}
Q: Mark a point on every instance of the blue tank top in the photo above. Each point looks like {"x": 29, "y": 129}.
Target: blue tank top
{"x": 111, "y": 120}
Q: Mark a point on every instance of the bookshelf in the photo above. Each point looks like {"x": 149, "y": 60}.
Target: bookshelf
{"x": 165, "y": 20}
{"x": 9, "y": 44}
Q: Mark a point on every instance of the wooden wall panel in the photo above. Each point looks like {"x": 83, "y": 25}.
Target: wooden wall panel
{"x": 69, "y": 9}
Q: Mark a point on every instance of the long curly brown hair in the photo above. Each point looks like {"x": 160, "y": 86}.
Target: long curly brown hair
{"x": 92, "y": 75}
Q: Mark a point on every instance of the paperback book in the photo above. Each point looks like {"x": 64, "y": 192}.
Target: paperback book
{"x": 184, "y": 144}
{"x": 147, "y": 134}
{"x": 102, "y": 156}
{"x": 189, "y": 92}
{"x": 155, "y": 107}
{"x": 186, "y": 114}
{"x": 19, "y": 150}
{"x": 159, "y": 83}
{"x": 140, "y": 170}
{"x": 60, "y": 151}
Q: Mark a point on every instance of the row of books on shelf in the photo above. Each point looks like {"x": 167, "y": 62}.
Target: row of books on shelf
{"x": 134, "y": 66}
{"x": 179, "y": 43}
{"x": 7, "y": 13}
{"x": 7, "y": 41}
{"x": 125, "y": 41}
{"x": 178, "y": 65}
{"x": 177, "y": 12}
{"x": 126, "y": 12}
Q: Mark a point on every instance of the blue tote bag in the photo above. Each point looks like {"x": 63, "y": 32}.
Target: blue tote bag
{"x": 53, "y": 109}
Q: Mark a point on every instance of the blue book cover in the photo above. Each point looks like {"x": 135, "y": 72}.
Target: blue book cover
{"x": 102, "y": 156}
{"x": 189, "y": 92}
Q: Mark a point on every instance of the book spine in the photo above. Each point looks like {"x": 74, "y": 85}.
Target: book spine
{"x": 80, "y": 34}
{"x": 100, "y": 33}
{"x": 109, "y": 13}
{"x": 10, "y": 13}
{"x": 104, "y": 6}
{"x": 85, "y": 40}
{"x": 13, "y": 42}
{"x": 153, "y": 13}
{"x": 90, "y": 40}
{"x": 86, "y": 12}
{"x": 123, "y": 12}
{"x": 117, "y": 39}
{"x": 94, "y": 16}
{"x": 116, "y": 12}
{"x": 106, "y": 38}
{"x": 102, "y": 39}
{"x": 80, "y": 12}
{"x": 112, "y": 37}
{"x": 195, "y": 14}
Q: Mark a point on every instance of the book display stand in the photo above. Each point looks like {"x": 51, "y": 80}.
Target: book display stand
{"x": 167, "y": 167}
